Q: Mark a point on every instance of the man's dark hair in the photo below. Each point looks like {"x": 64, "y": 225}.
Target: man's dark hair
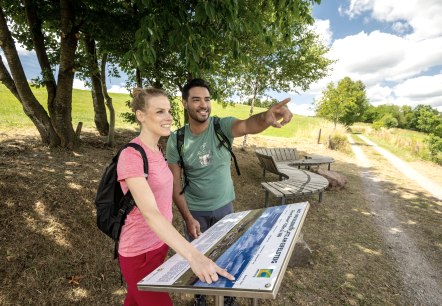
{"x": 194, "y": 83}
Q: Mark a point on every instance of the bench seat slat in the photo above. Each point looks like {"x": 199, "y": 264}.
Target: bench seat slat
{"x": 298, "y": 183}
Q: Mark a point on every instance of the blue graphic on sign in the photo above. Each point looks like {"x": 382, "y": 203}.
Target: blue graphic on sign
{"x": 236, "y": 258}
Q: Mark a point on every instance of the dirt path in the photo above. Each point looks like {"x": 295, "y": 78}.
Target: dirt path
{"x": 431, "y": 187}
{"x": 421, "y": 280}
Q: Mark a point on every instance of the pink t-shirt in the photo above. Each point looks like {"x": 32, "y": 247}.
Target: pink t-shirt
{"x": 136, "y": 236}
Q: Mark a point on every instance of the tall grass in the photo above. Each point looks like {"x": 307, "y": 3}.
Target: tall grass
{"x": 407, "y": 144}
{"x": 12, "y": 115}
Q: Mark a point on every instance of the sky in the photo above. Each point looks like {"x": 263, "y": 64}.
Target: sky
{"x": 394, "y": 47}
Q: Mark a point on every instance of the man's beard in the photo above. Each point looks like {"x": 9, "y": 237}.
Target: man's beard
{"x": 194, "y": 115}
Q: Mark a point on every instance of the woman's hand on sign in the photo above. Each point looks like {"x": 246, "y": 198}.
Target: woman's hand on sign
{"x": 207, "y": 271}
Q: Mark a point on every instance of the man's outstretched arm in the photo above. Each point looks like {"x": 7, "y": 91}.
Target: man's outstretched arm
{"x": 277, "y": 116}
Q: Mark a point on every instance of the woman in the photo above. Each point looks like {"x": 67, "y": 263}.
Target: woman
{"x": 148, "y": 231}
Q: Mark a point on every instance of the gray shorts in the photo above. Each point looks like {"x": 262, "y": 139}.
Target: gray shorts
{"x": 209, "y": 218}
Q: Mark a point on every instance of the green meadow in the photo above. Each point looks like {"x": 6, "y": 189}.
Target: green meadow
{"x": 12, "y": 115}
{"x": 407, "y": 144}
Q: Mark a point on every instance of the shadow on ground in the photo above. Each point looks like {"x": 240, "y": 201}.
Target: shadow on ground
{"x": 52, "y": 253}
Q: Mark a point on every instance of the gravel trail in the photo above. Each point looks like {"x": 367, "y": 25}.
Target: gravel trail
{"x": 422, "y": 281}
{"x": 431, "y": 187}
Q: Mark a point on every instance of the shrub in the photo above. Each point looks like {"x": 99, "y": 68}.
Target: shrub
{"x": 338, "y": 142}
{"x": 389, "y": 121}
{"x": 377, "y": 125}
{"x": 435, "y": 147}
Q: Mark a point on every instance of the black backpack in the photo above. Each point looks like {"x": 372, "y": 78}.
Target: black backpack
{"x": 223, "y": 142}
{"x": 112, "y": 205}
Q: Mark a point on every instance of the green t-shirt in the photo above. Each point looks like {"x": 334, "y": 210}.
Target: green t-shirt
{"x": 207, "y": 166}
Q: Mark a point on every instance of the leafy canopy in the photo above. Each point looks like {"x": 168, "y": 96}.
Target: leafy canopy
{"x": 344, "y": 103}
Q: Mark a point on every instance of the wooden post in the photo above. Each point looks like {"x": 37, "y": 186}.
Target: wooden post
{"x": 319, "y": 136}
{"x": 78, "y": 130}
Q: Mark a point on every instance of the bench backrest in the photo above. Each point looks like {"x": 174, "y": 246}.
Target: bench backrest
{"x": 279, "y": 154}
{"x": 268, "y": 164}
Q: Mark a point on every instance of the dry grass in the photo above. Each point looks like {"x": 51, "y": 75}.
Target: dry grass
{"x": 51, "y": 252}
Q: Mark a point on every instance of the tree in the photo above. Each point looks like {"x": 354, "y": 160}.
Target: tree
{"x": 210, "y": 39}
{"x": 55, "y": 29}
{"x": 162, "y": 44}
{"x": 108, "y": 38}
{"x": 345, "y": 103}
{"x": 428, "y": 120}
{"x": 387, "y": 121}
{"x": 370, "y": 114}
{"x": 55, "y": 128}
{"x": 282, "y": 66}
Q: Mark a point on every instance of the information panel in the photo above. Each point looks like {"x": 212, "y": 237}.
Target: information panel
{"x": 254, "y": 246}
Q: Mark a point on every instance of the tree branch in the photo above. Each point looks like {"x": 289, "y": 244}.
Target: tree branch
{"x": 38, "y": 39}
{"x": 7, "y": 80}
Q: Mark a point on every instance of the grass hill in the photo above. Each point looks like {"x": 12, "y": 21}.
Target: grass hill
{"x": 11, "y": 113}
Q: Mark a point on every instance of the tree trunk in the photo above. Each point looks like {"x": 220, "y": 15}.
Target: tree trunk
{"x": 6, "y": 79}
{"x": 62, "y": 117}
{"x": 186, "y": 115}
{"x": 244, "y": 142}
{"x": 110, "y": 106}
{"x": 100, "y": 117}
{"x": 31, "y": 106}
{"x": 138, "y": 78}
{"x": 39, "y": 46}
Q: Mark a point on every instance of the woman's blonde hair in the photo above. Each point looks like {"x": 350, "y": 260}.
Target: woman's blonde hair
{"x": 141, "y": 96}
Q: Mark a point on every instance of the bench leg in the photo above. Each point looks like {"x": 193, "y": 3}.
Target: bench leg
{"x": 320, "y": 197}
{"x": 329, "y": 167}
{"x": 263, "y": 172}
{"x": 219, "y": 300}
{"x": 266, "y": 201}
{"x": 283, "y": 201}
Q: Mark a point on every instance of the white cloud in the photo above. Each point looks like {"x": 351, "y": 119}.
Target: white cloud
{"x": 322, "y": 28}
{"x": 378, "y": 59}
{"x": 412, "y": 92}
{"x": 302, "y": 109}
{"x": 423, "y": 16}
{"x": 376, "y": 56}
{"x": 79, "y": 84}
{"x": 118, "y": 89}
{"x": 379, "y": 94}
{"x": 420, "y": 88}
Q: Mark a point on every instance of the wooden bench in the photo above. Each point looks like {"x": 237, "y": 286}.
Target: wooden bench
{"x": 290, "y": 157}
{"x": 270, "y": 158}
{"x": 302, "y": 184}
{"x": 280, "y": 154}
{"x": 292, "y": 182}
{"x": 268, "y": 163}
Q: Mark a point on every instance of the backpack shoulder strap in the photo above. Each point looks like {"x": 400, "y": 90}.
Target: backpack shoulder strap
{"x": 180, "y": 148}
{"x": 224, "y": 141}
{"x": 142, "y": 152}
{"x": 127, "y": 203}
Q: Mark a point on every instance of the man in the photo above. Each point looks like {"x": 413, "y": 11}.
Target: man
{"x": 209, "y": 193}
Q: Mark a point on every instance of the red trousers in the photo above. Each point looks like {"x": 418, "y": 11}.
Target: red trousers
{"x": 135, "y": 269}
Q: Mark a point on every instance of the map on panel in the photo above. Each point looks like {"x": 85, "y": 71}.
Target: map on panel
{"x": 252, "y": 245}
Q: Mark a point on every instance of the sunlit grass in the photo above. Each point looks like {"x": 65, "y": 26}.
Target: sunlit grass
{"x": 407, "y": 144}
{"x": 12, "y": 115}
